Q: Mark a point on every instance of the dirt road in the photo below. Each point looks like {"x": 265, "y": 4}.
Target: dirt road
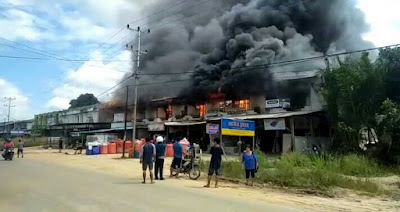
{"x": 103, "y": 178}
{"x": 36, "y": 185}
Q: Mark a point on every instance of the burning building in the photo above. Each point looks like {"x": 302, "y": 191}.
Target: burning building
{"x": 235, "y": 55}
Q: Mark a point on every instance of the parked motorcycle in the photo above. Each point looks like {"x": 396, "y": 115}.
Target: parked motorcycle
{"x": 8, "y": 154}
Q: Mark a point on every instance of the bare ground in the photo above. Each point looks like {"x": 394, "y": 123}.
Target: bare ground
{"x": 343, "y": 200}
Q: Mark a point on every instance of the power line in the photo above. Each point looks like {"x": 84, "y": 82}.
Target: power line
{"x": 282, "y": 63}
{"x": 257, "y": 67}
{"x": 177, "y": 12}
{"x": 114, "y": 86}
{"x": 68, "y": 60}
{"x": 160, "y": 11}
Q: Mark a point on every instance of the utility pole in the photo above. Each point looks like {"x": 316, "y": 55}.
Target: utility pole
{"x": 135, "y": 74}
{"x": 9, "y": 99}
{"x": 126, "y": 116}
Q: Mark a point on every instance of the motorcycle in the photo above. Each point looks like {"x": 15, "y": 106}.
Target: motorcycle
{"x": 189, "y": 167}
{"x": 8, "y": 154}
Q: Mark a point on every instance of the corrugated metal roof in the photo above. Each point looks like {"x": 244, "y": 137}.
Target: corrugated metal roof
{"x": 269, "y": 116}
{"x": 104, "y": 130}
{"x": 183, "y": 123}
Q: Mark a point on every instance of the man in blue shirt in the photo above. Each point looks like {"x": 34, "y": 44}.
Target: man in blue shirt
{"x": 160, "y": 155}
{"x": 147, "y": 159}
{"x": 177, "y": 161}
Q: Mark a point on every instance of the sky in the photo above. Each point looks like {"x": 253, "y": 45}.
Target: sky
{"x": 77, "y": 29}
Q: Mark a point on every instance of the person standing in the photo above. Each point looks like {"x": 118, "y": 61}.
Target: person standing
{"x": 20, "y": 148}
{"x": 215, "y": 162}
{"x": 147, "y": 159}
{"x": 79, "y": 146}
{"x": 250, "y": 164}
{"x": 177, "y": 161}
{"x": 160, "y": 156}
{"x": 60, "y": 145}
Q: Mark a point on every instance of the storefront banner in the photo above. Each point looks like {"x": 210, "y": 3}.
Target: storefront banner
{"x": 236, "y": 127}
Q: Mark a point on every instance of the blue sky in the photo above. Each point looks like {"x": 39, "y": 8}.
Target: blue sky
{"x": 74, "y": 29}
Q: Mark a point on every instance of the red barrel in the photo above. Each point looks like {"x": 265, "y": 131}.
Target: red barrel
{"x": 120, "y": 144}
{"x": 130, "y": 152}
{"x": 104, "y": 149}
{"x": 128, "y": 145}
{"x": 112, "y": 148}
{"x": 170, "y": 150}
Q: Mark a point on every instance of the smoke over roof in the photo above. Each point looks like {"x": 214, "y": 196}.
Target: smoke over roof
{"x": 213, "y": 49}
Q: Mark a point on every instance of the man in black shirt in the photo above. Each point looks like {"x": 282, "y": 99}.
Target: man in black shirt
{"x": 215, "y": 162}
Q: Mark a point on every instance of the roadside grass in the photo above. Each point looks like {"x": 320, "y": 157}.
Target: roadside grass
{"x": 320, "y": 173}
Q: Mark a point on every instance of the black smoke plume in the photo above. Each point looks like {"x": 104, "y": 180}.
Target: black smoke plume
{"x": 217, "y": 44}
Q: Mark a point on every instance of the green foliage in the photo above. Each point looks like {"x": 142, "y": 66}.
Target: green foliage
{"x": 389, "y": 127}
{"x": 83, "y": 100}
{"x": 353, "y": 93}
{"x": 313, "y": 172}
{"x": 389, "y": 64}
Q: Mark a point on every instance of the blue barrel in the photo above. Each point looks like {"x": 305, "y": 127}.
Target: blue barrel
{"x": 136, "y": 154}
{"x": 89, "y": 151}
{"x": 96, "y": 150}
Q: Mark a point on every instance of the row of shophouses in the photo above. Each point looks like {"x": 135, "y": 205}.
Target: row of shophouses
{"x": 279, "y": 127}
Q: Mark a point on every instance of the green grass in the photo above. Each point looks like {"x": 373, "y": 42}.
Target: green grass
{"x": 313, "y": 172}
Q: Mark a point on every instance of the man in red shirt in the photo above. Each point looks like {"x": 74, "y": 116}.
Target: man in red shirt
{"x": 8, "y": 144}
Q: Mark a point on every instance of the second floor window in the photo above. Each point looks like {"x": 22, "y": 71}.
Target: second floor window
{"x": 243, "y": 104}
{"x": 168, "y": 111}
{"x": 201, "y": 109}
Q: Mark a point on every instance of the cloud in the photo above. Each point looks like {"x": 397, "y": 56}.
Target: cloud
{"x": 22, "y": 109}
{"x": 94, "y": 76}
{"x": 384, "y": 21}
{"x": 17, "y": 24}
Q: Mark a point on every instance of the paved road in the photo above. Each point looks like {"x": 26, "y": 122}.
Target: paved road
{"x": 38, "y": 186}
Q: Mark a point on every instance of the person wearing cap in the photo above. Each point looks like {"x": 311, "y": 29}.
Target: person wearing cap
{"x": 160, "y": 156}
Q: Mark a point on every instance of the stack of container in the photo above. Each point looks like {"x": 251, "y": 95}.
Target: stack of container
{"x": 170, "y": 150}
{"x": 119, "y": 144}
{"x": 104, "y": 148}
{"x": 112, "y": 148}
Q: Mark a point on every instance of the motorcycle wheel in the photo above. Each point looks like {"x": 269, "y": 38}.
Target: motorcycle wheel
{"x": 194, "y": 173}
{"x": 174, "y": 172}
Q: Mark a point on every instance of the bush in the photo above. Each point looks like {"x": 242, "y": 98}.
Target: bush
{"x": 356, "y": 165}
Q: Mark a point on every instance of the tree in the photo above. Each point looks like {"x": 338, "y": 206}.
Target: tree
{"x": 353, "y": 93}
{"x": 83, "y": 100}
{"x": 389, "y": 64}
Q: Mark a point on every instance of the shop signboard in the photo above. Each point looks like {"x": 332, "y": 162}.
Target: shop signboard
{"x": 277, "y": 103}
{"x": 156, "y": 127}
{"x": 212, "y": 129}
{"x": 272, "y": 103}
{"x": 236, "y": 127}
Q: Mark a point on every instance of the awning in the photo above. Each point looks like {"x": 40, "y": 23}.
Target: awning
{"x": 270, "y": 116}
{"x": 104, "y": 130}
{"x": 183, "y": 123}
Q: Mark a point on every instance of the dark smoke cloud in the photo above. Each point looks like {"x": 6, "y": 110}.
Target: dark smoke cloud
{"x": 218, "y": 45}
